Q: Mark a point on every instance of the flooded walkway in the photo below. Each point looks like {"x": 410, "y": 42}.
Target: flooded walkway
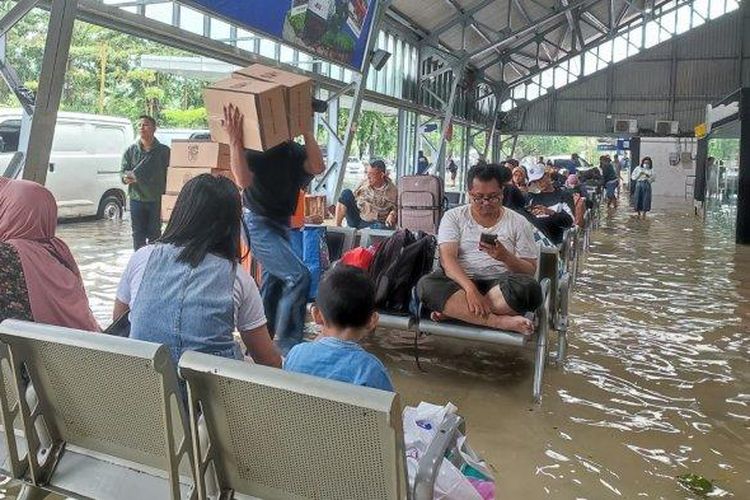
{"x": 656, "y": 385}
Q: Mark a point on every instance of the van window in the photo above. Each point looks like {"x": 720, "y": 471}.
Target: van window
{"x": 69, "y": 137}
{"x": 109, "y": 140}
{"x": 10, "y": 131}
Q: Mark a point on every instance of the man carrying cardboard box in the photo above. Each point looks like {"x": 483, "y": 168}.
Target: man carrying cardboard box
{"x": 271, "y": 181}
{"x": 144, "y": 170}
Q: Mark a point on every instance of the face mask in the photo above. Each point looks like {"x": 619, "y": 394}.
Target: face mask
{"x": 535, "y": 189}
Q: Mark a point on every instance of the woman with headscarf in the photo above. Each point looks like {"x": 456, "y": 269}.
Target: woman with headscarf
{"x": 39, "y": 278}
{"x": 643, "y": 176}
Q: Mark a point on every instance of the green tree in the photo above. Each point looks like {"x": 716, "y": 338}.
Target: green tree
{"x": 104, "y": 73}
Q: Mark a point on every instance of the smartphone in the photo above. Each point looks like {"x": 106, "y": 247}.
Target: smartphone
{"x": 487, "y": 238}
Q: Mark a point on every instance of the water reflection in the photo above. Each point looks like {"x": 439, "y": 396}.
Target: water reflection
{"x": 656, "y": 385}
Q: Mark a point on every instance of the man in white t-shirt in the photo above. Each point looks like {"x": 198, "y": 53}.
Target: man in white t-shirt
{"x": 485, "y": 281}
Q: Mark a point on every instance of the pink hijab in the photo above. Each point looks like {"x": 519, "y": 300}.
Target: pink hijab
{"x": 28, "y": 220}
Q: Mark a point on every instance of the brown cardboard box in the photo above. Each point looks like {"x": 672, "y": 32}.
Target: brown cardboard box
{"x": 200, "y": 154}
{"x": 178, "y": 176}
{"x": 261, "y": 103}
{"x": 315, "y": 208}
{"x": 167, "y": 205}
{"x": 298, "y": 94}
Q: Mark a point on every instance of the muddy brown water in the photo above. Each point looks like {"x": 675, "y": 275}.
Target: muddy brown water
{"x": 656, "y": 384}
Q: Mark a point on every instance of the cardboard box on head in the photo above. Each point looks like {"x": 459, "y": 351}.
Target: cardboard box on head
{"x": 199, "y": 154}
{"x": 298, "y": 94}
{"x": 262, "y": 105}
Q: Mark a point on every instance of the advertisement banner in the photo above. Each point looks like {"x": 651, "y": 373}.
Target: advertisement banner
{"x": 334, "y": 30}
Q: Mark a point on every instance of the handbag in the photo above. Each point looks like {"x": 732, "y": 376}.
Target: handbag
{"x": 121, "y": 326}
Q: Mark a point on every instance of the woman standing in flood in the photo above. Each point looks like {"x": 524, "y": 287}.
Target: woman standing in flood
{"x": 643, "y": 176}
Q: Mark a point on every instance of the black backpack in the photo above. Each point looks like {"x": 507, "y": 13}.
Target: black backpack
{"x": 399, "y": 263}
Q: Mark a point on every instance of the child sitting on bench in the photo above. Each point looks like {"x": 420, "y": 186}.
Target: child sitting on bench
{"x": 345, "y": 309}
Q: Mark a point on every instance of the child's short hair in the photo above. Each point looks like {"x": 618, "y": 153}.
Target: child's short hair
{"x": 346, "y": 297}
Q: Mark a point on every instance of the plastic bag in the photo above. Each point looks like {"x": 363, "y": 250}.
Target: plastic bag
{"x": 310, "y": 245}
{"x": 421, "y": 424}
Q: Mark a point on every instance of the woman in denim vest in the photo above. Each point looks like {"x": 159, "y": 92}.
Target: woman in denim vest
{"x": 187, "y": 291}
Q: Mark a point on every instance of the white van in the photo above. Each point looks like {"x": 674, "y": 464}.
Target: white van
{"x": 84, "y": 169}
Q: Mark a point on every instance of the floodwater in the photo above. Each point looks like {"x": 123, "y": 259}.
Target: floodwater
{"x": 656, "y": 384}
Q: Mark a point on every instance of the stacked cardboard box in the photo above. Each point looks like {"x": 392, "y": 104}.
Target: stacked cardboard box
{"x": 190, "y": 159}
{"x": 276, "y": 105}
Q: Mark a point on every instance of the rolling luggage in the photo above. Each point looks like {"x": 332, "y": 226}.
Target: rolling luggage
{"x": 420, "y": 203}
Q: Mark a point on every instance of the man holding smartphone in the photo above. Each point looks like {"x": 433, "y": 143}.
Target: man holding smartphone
{"x": 488, "y": 256}
{"x": 550, "y": 209}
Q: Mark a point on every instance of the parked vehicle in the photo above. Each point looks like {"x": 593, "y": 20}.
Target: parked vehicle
{"x": 84, "y": 169}
{"x": 167, "y": 135}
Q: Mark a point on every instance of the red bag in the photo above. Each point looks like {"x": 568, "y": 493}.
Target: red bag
{"x": 358, "y": 257}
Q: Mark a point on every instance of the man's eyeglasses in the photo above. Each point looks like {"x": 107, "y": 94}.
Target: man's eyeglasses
{"x": 493, "y": 198}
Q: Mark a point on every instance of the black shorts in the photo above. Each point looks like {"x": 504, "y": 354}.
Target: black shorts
{"x": 521, "y": 292}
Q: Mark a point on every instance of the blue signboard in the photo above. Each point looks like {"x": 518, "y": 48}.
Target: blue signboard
{"x": 335, "y": 30}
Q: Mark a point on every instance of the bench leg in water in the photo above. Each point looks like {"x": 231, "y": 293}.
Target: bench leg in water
{"x": 540, "y": 360}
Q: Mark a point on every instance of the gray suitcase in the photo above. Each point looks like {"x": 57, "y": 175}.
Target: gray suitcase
{"x": 420, "y": 203}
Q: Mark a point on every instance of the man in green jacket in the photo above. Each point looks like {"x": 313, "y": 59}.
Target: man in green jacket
{"x": 144, "y": 170}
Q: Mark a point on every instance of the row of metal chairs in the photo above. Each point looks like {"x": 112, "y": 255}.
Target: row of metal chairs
{"x": 557, "y": 270}
{"x": 97, "y": 416}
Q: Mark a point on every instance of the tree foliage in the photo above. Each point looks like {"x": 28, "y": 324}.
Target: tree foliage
{"x": 104, "y": 74}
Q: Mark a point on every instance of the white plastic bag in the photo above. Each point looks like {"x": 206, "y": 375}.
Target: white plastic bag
{"x": 420, "y": 427}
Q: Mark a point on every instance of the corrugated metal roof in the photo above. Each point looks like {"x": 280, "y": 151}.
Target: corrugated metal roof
{"x": 642, "y": 86}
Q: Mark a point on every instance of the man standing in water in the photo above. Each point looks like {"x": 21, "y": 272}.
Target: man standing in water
{"x": 271, "y": 182}
{"x": 144, "y": 170}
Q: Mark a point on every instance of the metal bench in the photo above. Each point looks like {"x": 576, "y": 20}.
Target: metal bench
{"x": 339, "y": 240}
{"x": 263, "y": 432}
{"x": 102, "y": 415}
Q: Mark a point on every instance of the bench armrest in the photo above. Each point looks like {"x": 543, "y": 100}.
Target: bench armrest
{"x": 429, "y": 464}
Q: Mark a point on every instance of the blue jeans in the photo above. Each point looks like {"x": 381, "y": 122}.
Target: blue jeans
{"x": 643, "y": 196}
{"x": 145, "y": 220}
{"x": 611, "y": 187}
{"x": 286, "y": 280}
{"x": 353, "y": 217}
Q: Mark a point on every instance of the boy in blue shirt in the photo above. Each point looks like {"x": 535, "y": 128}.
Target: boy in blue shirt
{"x": 345, "y": 309}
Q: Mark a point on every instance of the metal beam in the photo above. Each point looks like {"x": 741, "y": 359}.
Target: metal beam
{"x": 333, "y": 190}
{"x": 592, "y": 43}
{"x": 447, "y": 122}
{"x": 594, "y": 22}
{"x": 15, "y": 14}
{"x": 51, "y": 81}
{"x": 515, "y": 36}
{"x": 25, "y": 96}
{"x": 465, "y": 15}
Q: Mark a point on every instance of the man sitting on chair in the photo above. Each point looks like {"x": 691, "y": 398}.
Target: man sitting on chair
{"x": 373, "y": 204}
{"x": 488, "y": 258}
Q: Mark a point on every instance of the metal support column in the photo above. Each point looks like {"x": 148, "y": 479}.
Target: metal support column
{"x": 402, "y": 149}
{"x": 333, "y": 187}
{"x": 332, "y": 124}
{"x": 701, "y": 173}
{"x": 743, "y": 181}
{"x": 51, "y": 81}
{"x": 26, "y": 99}
{"x": 465, "y": 160}
{"x": 447, "y": 119}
